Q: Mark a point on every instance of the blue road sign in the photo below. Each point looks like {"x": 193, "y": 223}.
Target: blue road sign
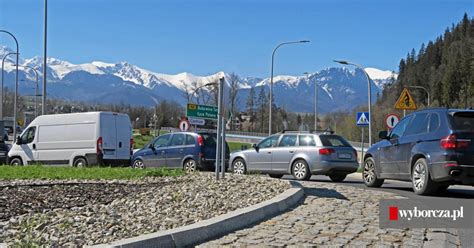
{"x": 362, "y": 119}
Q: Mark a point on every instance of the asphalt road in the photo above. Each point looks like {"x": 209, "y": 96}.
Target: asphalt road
{"x": 455, "y": 192}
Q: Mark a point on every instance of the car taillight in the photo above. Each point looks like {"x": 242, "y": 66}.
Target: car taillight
{"x": 200, "y": 140}
{"x": 326, "y": 151}
{"x": 355, "y": 155}
{"x": 451, "y": 142}
{"x": 132, "y": 143}
{"x": 99, "y": 145}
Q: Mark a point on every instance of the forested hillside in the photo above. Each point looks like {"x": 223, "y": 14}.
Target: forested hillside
{"x": 445, "y": 67}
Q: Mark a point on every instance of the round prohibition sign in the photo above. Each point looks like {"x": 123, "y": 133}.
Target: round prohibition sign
{"x": 391, "y": 121}
{"x": 184, "y": 125}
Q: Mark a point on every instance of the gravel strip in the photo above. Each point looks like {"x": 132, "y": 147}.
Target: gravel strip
{"x": 73, "y": 213}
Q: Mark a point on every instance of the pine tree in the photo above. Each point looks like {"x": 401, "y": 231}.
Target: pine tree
{"x": 262, "y": 104}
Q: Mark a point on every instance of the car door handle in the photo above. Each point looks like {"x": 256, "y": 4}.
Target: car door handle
{"x": 419, "y": 141}
{"x": 34, "y": 146}
{"x": 269, "y": 152}
{"x": 162, "y": 152}
{"x": 396, "y": 144}
{"x": 181, "y": 150}
{"x": 292, "y": 151}
{"x": 120, "y": 144}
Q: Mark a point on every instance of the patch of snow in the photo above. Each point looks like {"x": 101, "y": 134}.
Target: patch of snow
{"x": 375, "y": 73}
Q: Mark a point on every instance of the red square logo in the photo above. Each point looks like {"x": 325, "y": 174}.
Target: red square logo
{"x": 393, "y": 213}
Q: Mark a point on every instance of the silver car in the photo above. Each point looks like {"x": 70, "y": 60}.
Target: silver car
{"x": 299, "y": 154}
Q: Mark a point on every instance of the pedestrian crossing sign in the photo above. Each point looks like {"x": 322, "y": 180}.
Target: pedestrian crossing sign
{"x": 363, "y": 119}
{"x": 405, "y": 101}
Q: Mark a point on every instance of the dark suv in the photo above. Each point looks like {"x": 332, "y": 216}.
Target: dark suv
{"x": 190, "y": 151}
{"x": 432, "y": 148}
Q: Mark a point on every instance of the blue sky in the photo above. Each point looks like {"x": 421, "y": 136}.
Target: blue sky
{"x": 204, "y": 37}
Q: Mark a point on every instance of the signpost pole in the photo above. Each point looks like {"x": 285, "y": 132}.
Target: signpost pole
{"x": 362, "y": 153}
{"x": 219, "y": 125}
{"x": 223, "y": 149}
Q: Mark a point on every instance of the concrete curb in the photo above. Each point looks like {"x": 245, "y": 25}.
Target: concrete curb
{"x": 218, "y": 226}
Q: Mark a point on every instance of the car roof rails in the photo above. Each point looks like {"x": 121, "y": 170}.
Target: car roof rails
{"x": 325, "y": 131}
{"x": 293, "y": 131}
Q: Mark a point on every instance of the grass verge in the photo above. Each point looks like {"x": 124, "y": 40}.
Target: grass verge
{"x": 91, "y": 173}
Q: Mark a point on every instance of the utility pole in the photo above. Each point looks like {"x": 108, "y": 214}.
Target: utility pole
{"x": 45, "y": 63}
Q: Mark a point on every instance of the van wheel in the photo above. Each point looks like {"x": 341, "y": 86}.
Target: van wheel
{"x": 138, "y": 164}
{"x": 79, "y": 162}
{"x": 300, "y": 170}
{"x": 190, "y": 165}
{"x": 16, "y": 161}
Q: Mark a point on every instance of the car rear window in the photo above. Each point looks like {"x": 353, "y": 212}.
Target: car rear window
{"x": 333, "y": 140}
{"x": 463, "y": 121}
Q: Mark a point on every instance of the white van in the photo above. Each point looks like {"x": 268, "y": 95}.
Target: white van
{"x": 77, "y": 139}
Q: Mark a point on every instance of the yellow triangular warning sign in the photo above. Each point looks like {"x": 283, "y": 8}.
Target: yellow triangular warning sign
{"x": 405, "y": 101}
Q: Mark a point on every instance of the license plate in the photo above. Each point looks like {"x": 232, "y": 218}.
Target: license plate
{"x": 345, "y": 155}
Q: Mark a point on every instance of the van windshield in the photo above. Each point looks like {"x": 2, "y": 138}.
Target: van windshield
{"x": 463, "y": 121}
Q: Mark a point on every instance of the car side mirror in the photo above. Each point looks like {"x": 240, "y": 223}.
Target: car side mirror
{"x": 151, "y": 146}
{"x": 255, "y": 147}
{"x": 18, "y": 140}
{"x": 384, "y": 135}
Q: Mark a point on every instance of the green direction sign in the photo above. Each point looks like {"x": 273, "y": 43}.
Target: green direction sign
{"x": 201, "y": 111}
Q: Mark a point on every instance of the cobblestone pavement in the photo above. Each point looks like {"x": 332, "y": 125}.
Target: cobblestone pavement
{"x": 334, "y": 215}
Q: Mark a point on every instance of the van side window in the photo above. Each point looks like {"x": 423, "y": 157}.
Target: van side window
{"x": 177, "y": 140}
{"x": 28, "y": 136}
{"x": 190, "y": 140}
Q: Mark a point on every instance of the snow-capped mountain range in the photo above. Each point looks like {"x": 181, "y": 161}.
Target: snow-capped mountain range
{"x": 101, "y": 82}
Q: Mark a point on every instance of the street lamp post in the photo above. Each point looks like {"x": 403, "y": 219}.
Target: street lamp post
{"x": 43, "y": 100}
{"x": 423, "y": 88}
{"x": 16, "y": 83}
{"x": 369, "y": 88}
{"x": 1, "y": 97}
{"x": 271, "y": 81}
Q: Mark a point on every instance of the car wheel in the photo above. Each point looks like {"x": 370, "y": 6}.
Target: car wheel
{"x": 300, "y": 170}
{"x": 138, "y": 164}
{"x": 369, "y": 176}
{"x": 239, "y": 167}
{"x": 190, "y": 165}
{"x": 276, "y": 175}
{"x": 421, "y": 179}
{"x": 79, "y": 162}
{"x": 16, "y": 161}
{"x": 337, "y": 177}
